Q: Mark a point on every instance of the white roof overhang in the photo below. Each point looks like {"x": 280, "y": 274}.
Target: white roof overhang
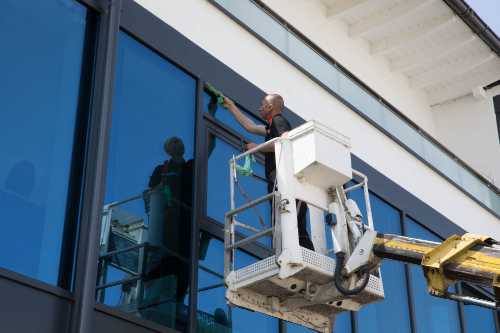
{"x": 423, "y": 39}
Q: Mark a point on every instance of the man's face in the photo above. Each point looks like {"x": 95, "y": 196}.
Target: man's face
{"x": 266, "y": 108}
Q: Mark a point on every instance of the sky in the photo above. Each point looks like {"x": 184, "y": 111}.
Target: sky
{"x": 489, "y": 11}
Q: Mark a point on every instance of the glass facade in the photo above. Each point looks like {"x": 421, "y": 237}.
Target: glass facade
{"x": 40, "y": 90}
{"x": 247, "y": 189}
{"x": 211, "y": 107}
{"x": 479, "y": 319}
{"x": 373, "y": 318}
{"x": 432, "y": 314}
{"x": 149, "y": 188}
{"x": 145, "y": 259}
{"x": 337, "y": 81}
{"x": 213, "y": 313}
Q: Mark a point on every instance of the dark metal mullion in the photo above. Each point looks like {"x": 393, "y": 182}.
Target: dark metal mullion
{"x": 409, "y": 289}
{"x": 225, "y": 133}
{"x": 458, "y": 286}
{"x": 461, "y": 310}
{"x": 82, "y": 312}
{"x": 216, "y": 229}
{"x": 495, "y": 314}
{"x": 222, "y": 134}
{"x": 119, "y": 282}
{"x": 476, "y": 289}
{"x": 70, "y": 232}
{"x": 354, "y": 322}
{"x": 198, "y": 209}
{"x": 230, "y": 134}
{"x": 98, "y": 5}
{"x": 281, "y": 326}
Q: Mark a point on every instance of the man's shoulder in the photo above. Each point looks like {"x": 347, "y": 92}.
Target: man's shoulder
{"x": 281, "y": 123}
{"x": 280, "y": 117}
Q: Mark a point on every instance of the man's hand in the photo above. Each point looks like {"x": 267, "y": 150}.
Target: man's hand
{"x": 250, "y": 145}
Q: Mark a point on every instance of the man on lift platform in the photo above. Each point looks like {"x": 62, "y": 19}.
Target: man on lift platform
{"x": 277, "y": 125}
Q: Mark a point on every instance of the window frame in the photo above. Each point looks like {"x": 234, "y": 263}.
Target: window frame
{"x": 209, "y": 224}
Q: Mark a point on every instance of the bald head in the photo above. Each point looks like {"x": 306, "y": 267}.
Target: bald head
{"x": 276, "y": 101}
{"x": 271, "y": 105}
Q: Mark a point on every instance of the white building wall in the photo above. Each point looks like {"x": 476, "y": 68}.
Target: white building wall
{"x": 354, "y": 54}
{"x": 468, "y": 127}
{"x": 331, "y": 35}
{"x": 212, "y": 30}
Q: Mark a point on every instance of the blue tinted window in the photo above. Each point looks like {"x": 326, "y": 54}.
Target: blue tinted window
{"x": 242, "y": 318}
{"x": 432, "y": 314}
{"x": 343, "y": 323}
{"x": 247, "y": 189}
{"x": 223, "y": 115}
{"x": 149, "y": 185}
{"x": 214, "y": 315}
{"x": 391, "y": 314}
{"x": 245, "y": 321}
{"x": 479, "y": 319}
{"x": 40, "y": 62}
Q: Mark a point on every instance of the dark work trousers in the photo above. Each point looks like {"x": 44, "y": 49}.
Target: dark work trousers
{"x": 304, "y": 239}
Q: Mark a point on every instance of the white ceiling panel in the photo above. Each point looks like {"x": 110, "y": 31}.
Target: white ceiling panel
{"x": 424, "y": 40}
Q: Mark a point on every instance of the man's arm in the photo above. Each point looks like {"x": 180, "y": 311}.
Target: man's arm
{"x": 280, "y": 127}
{"x": 244, "y": 121}
{"x": 266, "y": 149}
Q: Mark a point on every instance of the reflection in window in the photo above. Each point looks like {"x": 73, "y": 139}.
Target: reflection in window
{"x": 214, "y": 315}
{"x": 148, "y": 199}
{"x": 40, "y": 62}
{"x": 432, "y": 314}
{"x": 479, "y": 319}
{"x": 247, "y": 189}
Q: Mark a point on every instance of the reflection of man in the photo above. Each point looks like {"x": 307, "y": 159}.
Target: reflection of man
{"x": 22, "y": 221}
{"x": 220, "y": 318}
{"x": 271, "y": 110}
{"x": 169, "y": 204}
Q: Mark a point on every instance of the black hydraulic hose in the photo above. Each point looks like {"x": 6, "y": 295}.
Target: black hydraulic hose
{"x": 338, "y": 277}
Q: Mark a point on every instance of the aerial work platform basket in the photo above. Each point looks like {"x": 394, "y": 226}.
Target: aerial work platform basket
{"x": 313, "y": 164}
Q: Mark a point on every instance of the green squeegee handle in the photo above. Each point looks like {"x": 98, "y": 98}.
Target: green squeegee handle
{"x": 212, "y": 91}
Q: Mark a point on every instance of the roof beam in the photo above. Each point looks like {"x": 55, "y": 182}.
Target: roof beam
{"x": 342, "y": 6}
{"x": 463, "y": 84}
{"x": 446, "y": 71}
{"x": 385, "y": 17}
{"x": 420, "y": 31}
{"x": 430, "y": 55}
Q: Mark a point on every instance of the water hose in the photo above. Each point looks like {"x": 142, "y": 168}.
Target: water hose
{"x": 338, "y": 279}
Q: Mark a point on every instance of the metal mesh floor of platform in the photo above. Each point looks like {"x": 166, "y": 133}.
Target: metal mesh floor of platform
{"x": 260, "y": 277}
